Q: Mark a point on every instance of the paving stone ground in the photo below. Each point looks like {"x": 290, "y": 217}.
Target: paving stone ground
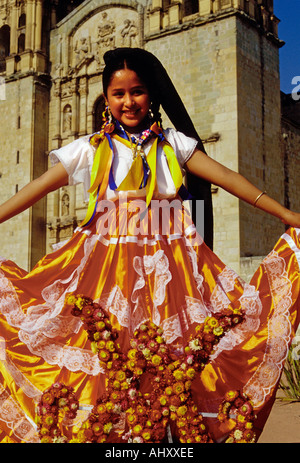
{"x": 283, "y": 425}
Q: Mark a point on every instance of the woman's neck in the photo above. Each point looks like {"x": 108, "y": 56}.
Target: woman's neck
{"x": 138, "y": 129}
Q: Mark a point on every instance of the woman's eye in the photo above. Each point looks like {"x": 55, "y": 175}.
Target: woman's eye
{"x": 138, "y": 92}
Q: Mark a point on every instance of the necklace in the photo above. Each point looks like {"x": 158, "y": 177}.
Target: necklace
{"x": 136, "y": 143}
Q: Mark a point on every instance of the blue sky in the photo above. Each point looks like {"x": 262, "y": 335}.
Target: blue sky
{"x": 288, "y": 11}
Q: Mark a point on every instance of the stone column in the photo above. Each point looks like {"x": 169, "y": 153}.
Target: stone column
{"x": 83, "y": 91}
{"x": 252, "y": 6}
{"x": 13, "y": 31}
{"x": 204, "y": 7}
{"x": 74, "y": 109}
{"x": 33, "y": 20}
{"x": 11, "y": 65}
{"x": 38, "y": 26}
{"x": 155, "y": 16}
{"x": 57, "y": 99}
{"x": 53, "y": 14}
{"x": 29, "y": 25}
{"x": 239, "y": 4}
{"x": 175, "y": 10}
{"x": 225, "y": 4}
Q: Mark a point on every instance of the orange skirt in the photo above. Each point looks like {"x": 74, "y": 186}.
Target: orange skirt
{"x": 142, "y": 270}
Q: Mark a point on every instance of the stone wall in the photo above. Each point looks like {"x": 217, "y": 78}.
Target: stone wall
{"x": 290, "y": 150}
{"x": 259, "y": 132}
{"x": 24, "y": 122}
{"x": 15, "y": 147}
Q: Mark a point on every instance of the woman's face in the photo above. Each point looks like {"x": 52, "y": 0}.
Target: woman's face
{"x": 128, "y": 99}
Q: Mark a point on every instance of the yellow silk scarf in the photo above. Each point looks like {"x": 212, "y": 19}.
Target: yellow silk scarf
{"x": 102, "y": 168}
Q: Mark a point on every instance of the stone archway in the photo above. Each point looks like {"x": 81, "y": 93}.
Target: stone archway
{"x": 4, "y": 46}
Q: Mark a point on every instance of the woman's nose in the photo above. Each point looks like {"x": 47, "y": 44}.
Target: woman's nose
{"x": 129, "y": 100}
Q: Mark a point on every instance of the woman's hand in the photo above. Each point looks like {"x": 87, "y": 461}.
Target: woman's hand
{"x": 292, "y": 219}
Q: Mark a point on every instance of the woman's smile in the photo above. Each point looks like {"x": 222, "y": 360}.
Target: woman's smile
{"x": 129, "y": 100}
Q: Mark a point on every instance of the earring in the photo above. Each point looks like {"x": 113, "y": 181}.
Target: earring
{"x": 109, "y": 125}
{"x": 150, "y": 114}
{"x": 154, "y": 116}
{"x": 107, "y": 115}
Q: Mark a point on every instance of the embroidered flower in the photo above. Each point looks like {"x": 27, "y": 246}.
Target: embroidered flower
{"x": 147, "y": 415}
{"x": 178, "y": 375}
{"x": 156, "y": 359}
{"x": 195, "y": 344}
{"x": 218, "y": 331}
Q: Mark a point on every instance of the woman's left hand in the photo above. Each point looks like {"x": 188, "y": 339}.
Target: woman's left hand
{"x": 292, "y": 218}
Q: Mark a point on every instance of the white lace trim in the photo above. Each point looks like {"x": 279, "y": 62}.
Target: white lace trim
{"x": 279, "y": 332}
{"x": 293, "y": 245}
{"x": 21, "y": 381}
{"x": 42, "y": 323}
{"x": 55, "y": 353}
{"x": 159, "y": 265}
{"x": 250, "y": 303}
{"x": 21, "y": 425}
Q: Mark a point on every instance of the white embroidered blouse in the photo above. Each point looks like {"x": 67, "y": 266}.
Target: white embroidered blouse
{"x": 77, "y": 158}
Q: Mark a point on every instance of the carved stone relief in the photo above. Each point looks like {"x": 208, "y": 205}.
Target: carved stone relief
{"x": 109, "y": 29}
{"x": 82, "y": 48}
{"x": 65, "y": 205}
{"x": 106, "y": 39}
{"x": 129, "y": 34}
{"x": 67, "y": 119}
{"x": 66, "y": 90}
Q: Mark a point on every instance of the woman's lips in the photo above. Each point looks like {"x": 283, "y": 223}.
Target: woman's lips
{"x": 130, "y": 114}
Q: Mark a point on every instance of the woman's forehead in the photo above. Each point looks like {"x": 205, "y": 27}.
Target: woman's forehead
{"x": 124, "y": 78}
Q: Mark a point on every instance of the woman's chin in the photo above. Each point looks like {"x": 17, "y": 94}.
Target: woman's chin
{"x": 134, "y": 125}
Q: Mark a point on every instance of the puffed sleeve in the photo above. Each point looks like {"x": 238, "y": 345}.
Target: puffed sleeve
{"x": 183, "y": 146}
{"x": 77, "y": 158}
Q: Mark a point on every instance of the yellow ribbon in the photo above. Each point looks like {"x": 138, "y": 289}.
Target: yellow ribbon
{"x": 134, "y": 178}
{"x": 102, "y": 166}
{"x": 99, "y": 177}
{"x": 174, "y": 166}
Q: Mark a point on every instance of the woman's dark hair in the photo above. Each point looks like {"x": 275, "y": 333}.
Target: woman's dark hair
{"x": 132, "y": 58}
{"x": 136, "y": 60}
{"x": 163, "y": 93}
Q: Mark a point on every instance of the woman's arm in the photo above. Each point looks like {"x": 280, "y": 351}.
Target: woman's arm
{"x": 202, "y": 165}
{"x": 51, "y": 180}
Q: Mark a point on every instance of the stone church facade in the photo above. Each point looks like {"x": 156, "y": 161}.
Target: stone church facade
{"x": 223, "y": 57}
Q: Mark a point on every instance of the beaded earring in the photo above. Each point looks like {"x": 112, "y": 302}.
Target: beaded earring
{"x": 108, "y": 121}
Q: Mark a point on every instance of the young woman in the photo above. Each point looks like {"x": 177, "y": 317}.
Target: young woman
{"x": 135, "y": 263}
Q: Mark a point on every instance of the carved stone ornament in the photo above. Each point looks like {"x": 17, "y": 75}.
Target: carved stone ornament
{"x": 106, "y": 30}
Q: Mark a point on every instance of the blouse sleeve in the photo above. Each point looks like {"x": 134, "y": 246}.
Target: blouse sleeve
{"x": 183, "y": 146}
{"x": 77, "y": 158}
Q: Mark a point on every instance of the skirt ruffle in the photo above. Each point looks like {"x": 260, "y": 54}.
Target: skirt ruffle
{"x": 142, "y": 272}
